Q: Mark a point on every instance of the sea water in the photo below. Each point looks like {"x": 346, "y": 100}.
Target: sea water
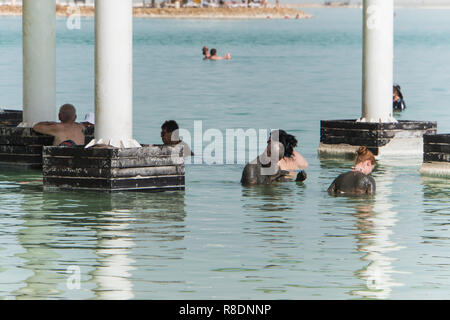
{"x": 219, "y": 240}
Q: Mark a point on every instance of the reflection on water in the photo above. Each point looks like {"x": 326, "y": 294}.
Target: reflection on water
{"x": 376, "y": 221}
{"x": 95, "y": 232}
{"x": 276, "y": 197}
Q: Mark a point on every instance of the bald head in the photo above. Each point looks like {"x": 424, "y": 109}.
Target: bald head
{"x": 67, "y": 113}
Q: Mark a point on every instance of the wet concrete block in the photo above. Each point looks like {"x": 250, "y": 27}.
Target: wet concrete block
{"x": 387, "y": 138}
{"x": 150, "y": 168}
{"x": 436, "y": 148}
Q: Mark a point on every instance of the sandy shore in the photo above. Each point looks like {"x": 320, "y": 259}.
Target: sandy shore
{"x": 186, "y": 13}
{"x": 433, "y": 6}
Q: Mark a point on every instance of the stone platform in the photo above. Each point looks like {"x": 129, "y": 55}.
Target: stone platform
{"x": 150, "y": 168}
{"x": 343, "y": 137}
{"x": 22, "y": 147}
{"x": 436, "y": 155}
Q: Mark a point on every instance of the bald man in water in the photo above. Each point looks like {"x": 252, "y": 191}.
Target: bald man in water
{"x": 67, "y": 133}
{"x": 265, "y": 169}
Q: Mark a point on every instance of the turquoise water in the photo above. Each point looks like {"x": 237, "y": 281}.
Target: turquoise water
{"x": 218, "y": 240}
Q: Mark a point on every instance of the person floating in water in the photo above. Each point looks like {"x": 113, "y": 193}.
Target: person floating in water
{"x": 292, "y": 161}
{"x": 264, "y": 169}
{"x": 68, "y": 133}
{"x": 358, "y": 180}
{"x": 205, "y": 51}
{"x": 398, "y": 104}
{"x": 213, "y": 56}
{"x": 170, "y": 136}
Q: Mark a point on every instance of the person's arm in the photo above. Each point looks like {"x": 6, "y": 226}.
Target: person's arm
{"x": 280, "y": 175}
{"x": 46, "y": 127}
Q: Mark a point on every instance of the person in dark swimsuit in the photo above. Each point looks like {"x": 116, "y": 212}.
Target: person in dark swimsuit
{"x": 264, "y": 170}
{"x": 398, "y": 103}
{"x": 357, "y": 181}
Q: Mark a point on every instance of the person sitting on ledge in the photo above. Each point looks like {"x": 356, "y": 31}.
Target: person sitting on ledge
{"x": 170, "y": 136}
{"x": 358, "y": 180}
{"x": 262, "y": 171}
{"x": 292, "y": 161}
{"x": 213, "y": 56}
{"x": 68, "y": 133}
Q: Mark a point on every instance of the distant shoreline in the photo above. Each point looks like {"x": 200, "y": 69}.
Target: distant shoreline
{"x": 344, "y": 5}
{"x": 181, "y": 13}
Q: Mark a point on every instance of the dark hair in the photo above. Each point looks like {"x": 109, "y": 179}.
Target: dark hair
{"x": 289, "y": 142}
{"x": 213, "y": 52}
{"x": 398, "y": 89}
{"x": 170, "y": 125}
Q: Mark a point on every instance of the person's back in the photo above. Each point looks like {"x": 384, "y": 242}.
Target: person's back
{"x": 352, "y": 182}
{"x": 69, "y": 132}
{"x": 292, "y": 160}
{"x": 66, "y": 133}
{"x": 357, "y": 181}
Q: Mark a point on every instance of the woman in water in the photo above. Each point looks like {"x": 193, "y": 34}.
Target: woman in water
{"x": 358, "y": 180}
{"x": 398, "y": 103}
{"x": 292, "y": 160}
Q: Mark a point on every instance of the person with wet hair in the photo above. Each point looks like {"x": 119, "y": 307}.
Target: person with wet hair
{"x": 264, "y": 169}
{"x": 398, "y": 103}
{"x": 357, "y": 181}
{"x": 292, "y": 161}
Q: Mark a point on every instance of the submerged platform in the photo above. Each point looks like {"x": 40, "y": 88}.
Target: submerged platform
{"x": 436, "y": 155}
{"x": 341, "y": 138}
{"x": 150, "y": 168}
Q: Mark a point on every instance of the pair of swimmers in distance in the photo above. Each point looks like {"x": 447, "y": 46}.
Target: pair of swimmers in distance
{"x": 212, "y": 55}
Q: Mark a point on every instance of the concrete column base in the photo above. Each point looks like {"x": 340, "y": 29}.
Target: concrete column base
{"x": 436, "y": 155}
{"x": 341, "y": 138}
{"x": 150, "y": 168}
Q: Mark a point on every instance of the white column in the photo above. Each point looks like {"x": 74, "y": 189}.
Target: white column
{"x": 114, "y": 74}
{"x": 378, "y": 59}
{"x": 39, "y": 61}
